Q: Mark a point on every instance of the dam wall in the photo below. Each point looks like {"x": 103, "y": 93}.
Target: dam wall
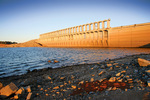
{"x": 98, "y": 34}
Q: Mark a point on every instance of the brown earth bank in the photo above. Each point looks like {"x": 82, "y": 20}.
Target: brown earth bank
{"x": 117, "y": 79}
{"x": 31, "y": 43}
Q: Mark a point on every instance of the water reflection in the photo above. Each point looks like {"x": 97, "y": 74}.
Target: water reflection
{"x": 18, "y": 60}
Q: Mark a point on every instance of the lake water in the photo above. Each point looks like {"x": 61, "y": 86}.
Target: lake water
{"x": 16, "y": 61}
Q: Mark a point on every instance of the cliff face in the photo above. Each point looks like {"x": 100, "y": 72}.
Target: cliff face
{"x": 31, "y": 43}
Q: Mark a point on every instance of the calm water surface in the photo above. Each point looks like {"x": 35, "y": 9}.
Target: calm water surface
{"x": 16, "y": 61}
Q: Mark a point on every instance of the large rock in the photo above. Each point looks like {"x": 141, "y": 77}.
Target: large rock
{"x": 8, "y": 90}
{"x": 143, "y": 62}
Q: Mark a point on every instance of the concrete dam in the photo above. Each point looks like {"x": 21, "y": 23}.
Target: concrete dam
{"x": 99, "y": 34}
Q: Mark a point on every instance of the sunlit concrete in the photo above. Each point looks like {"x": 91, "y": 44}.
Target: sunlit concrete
{"x": 98, "y": 34}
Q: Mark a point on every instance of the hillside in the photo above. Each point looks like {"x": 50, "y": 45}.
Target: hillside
{"x": 31, "y": 43}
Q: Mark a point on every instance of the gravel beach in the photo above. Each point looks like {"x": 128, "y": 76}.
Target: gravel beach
{"x": 116, "y": 79}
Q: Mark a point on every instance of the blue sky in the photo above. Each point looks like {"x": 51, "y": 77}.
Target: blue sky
{"x": 23, "y": 20}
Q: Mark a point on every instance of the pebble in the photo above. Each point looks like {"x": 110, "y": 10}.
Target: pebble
{"x": 120, "y": 80}
{"x": 1, "y": 85}
{"x": 29, "y": 96}
{"x": 73, "y": 86}
{"x": 101, "y": 72}
{"x": 92, "y": 79}
{"x": 28, "y": 89}
{"x": 16, "y": 96}
{"x": 112, "y": 79}
{"x": 62, "y": 78}
{"x": 114, "y": 88}
{"x": 57, "y": 87}
{"x": 118, "y": 74}
{"x": 147, "y": 71}
{"x": 123, "y": 71}
{"x": 109, "y": 65}
{"x": 81, "y": 82}
{"x": 47, "y": 77}
{"x": 148, "y": 82}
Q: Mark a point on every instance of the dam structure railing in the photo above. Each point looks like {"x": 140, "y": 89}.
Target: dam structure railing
{"x": 86, "y": 35}
{"x": 98, "y": 34}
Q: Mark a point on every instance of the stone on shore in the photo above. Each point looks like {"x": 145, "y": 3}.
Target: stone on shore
{"x": 16, "y": 96}
{"x": 109, "y": 65}
{"x": 29, "y": 96}
{"x": 47, "y": 77}
{"x": 148, "y": 82}
{"x": 143, "y": 62}
{"x": 8, "y": 90}
{"x": 73, "y": 87}
{"x": 112, "y": 79}
{"x": 28, "y": 89}
{"x": 20, "y": 90}
{"x": 81, "y": 82}
{"x": 147, "y": 71}
{"x": 101, "y": 73}
{"x": 92, "y": 79}
{"x": 1, "y": 85}
{"x": 57, "y": 87}
{"x": 118, "y": 74}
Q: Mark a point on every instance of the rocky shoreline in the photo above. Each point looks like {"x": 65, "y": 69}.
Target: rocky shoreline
{"x": 121, "y": 78}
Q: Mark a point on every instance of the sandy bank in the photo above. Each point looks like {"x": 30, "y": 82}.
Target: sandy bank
{"x": 60, "y": 83}
{"x": 31, "y": 43}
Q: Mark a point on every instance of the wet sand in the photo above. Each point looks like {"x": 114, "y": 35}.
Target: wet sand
{"x": 65, "y": 83}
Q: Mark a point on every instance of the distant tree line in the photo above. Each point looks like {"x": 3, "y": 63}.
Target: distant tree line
{"x": 7, "y": 42}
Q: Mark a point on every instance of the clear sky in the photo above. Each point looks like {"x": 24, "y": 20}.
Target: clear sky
{"x": 23, "y": 20}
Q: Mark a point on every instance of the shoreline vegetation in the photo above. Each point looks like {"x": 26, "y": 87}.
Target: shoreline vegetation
{"x": 116, "y": 79}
